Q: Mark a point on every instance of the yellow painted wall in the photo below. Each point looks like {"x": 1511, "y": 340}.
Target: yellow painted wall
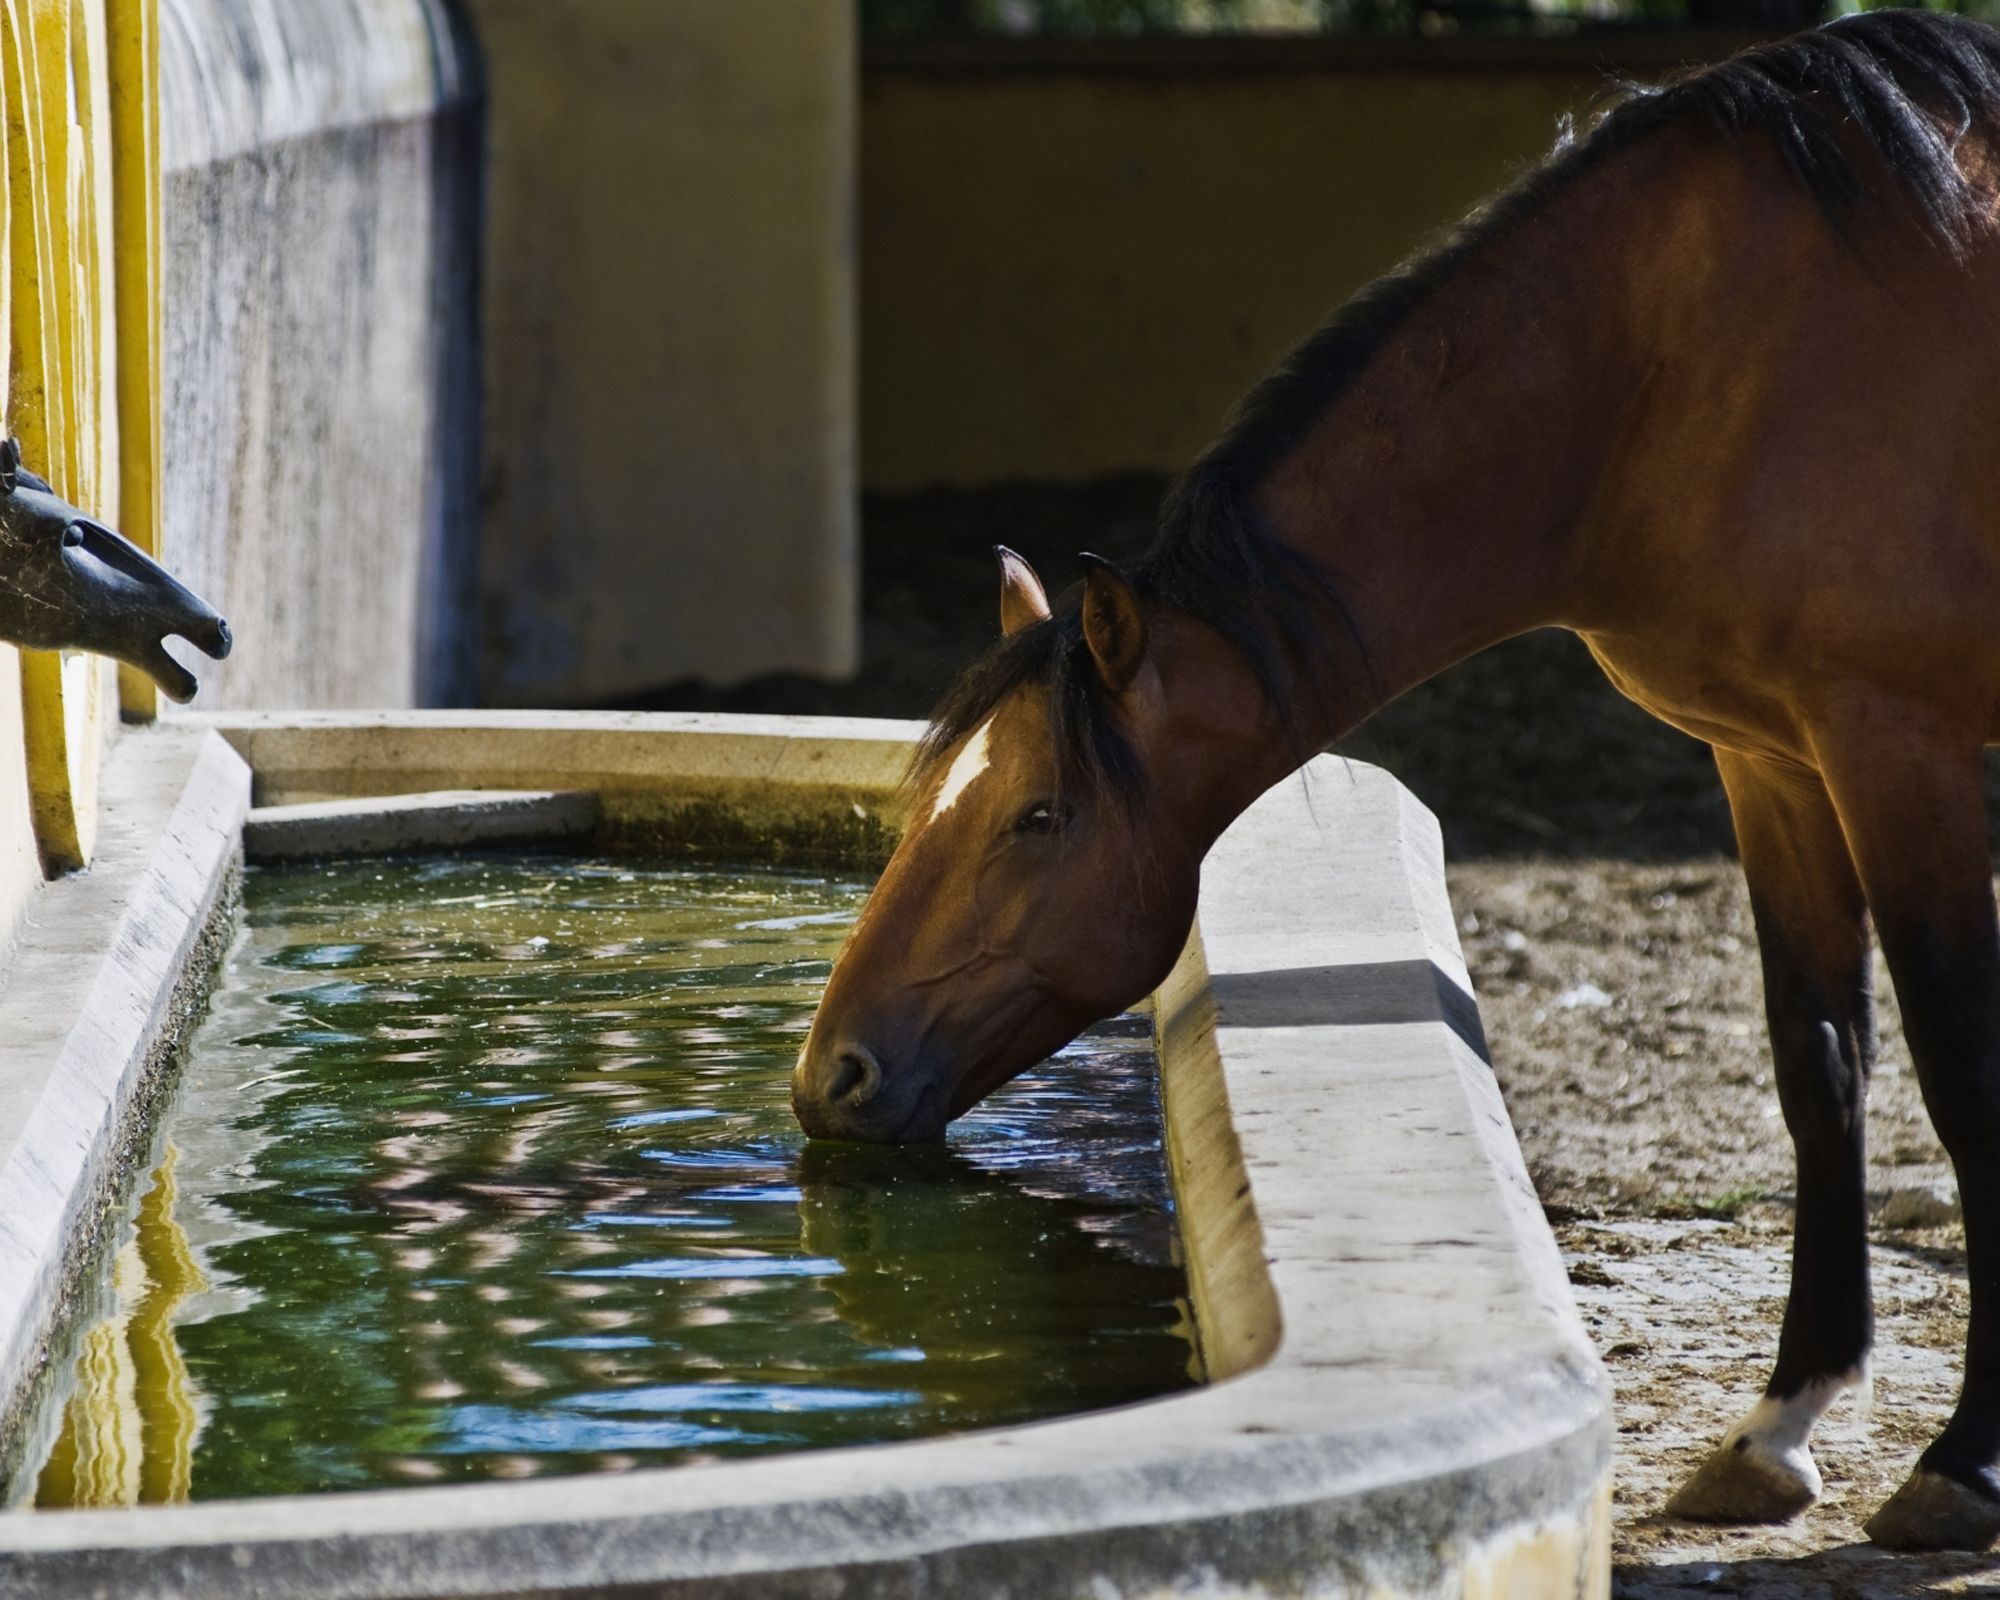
{"x": 1073, "y": 265}
{"x": 79, "y": 107}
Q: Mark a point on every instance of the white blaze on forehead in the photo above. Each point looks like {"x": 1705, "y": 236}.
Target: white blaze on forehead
{"x": 970, "y": 762}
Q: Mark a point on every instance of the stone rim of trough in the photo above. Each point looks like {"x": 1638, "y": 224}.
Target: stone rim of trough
{"x": 1404, "y": 1398}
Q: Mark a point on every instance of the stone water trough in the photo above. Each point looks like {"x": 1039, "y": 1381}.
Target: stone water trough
{"x": 1401, "y": 1400}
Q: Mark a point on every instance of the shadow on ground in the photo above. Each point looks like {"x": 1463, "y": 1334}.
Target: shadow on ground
{"x": 1847, "y": 1572}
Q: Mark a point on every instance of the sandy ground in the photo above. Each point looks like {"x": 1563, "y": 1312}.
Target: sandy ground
{"x": 1624, "y": 1007}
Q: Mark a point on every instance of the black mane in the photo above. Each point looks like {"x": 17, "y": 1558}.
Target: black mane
{"x": 1885, "y": 94}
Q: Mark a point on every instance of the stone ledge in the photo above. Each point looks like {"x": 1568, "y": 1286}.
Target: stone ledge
{"x": 667, "y": 782}
{"x": 449, "y": 819}
{"x": 624, "y": 755}
{"x": 90, "y": 1003}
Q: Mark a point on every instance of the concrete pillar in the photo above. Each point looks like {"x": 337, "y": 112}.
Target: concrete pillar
{"x": 669, "y": 396}
{"x": 319, "y": 278}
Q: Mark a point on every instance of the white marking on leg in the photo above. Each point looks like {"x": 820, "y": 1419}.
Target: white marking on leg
{"x": 1778, "y": 1431}
{"x": 969, "y": 763}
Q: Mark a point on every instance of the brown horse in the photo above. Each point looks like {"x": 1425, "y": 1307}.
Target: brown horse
{"x": 1718, "y": 388}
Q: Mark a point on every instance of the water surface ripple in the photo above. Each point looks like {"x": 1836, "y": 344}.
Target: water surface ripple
{"x": 483, "y": 1167}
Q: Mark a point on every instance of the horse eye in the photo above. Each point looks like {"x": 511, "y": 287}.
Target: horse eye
{"x": 1042, "y": 818}
{"x": 72, "y": 536}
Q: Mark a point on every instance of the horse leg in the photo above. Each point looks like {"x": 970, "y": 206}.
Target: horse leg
{"x": 1812, "y": 930}
{"x": 1910, "y": 800}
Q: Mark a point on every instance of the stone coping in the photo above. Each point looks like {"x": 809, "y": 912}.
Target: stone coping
{"x": 1407, "y": 1402}
{"x": 107, "y": 970}
{"x": 624, "y": 755}
{"x": 757, "y": 786}
{"x": 448, "y": 819}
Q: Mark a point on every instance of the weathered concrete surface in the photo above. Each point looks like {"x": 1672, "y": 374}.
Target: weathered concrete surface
{"x": 238, "y": 76}
{"x": 1426, "y": 1418}
{"x": 90, "y": 999}
{"x": 320, "y": 174}
{"x": 449, "y": 819}
{"x": 669, "y": 344}
{"x": 1404, "y": 1242}
{"x": 783, "y": 786}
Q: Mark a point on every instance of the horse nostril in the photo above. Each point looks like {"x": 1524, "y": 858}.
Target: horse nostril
{"x": 856, "y": 1077}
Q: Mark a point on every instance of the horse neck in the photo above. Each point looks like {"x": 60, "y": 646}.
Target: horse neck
{"x": 1443, "y": 492}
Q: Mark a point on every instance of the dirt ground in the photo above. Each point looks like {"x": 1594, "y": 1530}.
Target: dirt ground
{"x": 1623, "y": 1003}
{"x": 1609, "y": 938}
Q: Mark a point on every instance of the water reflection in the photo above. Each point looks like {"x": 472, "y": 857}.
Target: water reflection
{"x": 128, "y": 1427}
{"x": 967, "y": 1268}
{"x": 484, "y": 1169}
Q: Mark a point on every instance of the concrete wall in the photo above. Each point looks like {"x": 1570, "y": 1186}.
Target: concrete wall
{"x": 1075, "y": 258}
{"x": 320, "y": 179}
{"x": 669, "y": 366}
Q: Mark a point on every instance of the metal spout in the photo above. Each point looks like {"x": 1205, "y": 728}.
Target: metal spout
{"x": 67, "y": 582}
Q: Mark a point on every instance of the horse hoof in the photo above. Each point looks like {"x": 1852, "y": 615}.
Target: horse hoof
{"x": 1933, "y": 1512}
{"x": 1744, "y": 1480}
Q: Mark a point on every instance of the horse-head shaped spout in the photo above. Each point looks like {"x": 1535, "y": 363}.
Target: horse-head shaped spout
{"x": 1062, "y": 805}
{"x": 67, "y": 582}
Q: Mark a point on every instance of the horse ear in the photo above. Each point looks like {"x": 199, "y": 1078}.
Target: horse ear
{"x": 1114, "y": 623}
{"x": 1022, "y": 598}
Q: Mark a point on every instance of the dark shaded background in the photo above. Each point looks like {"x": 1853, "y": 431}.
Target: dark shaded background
{"x": 1524, "y": 750}
{"x": 930, "y": 19}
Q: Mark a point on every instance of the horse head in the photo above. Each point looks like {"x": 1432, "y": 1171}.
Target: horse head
{"x": 67, "y": 582}
{"x": 1062, "y": 804}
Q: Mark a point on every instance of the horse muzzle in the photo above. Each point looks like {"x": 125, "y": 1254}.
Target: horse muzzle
{"x": 844, "y": 1093}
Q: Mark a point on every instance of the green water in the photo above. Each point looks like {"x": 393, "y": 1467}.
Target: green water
{"x": 483, "y": 1167}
